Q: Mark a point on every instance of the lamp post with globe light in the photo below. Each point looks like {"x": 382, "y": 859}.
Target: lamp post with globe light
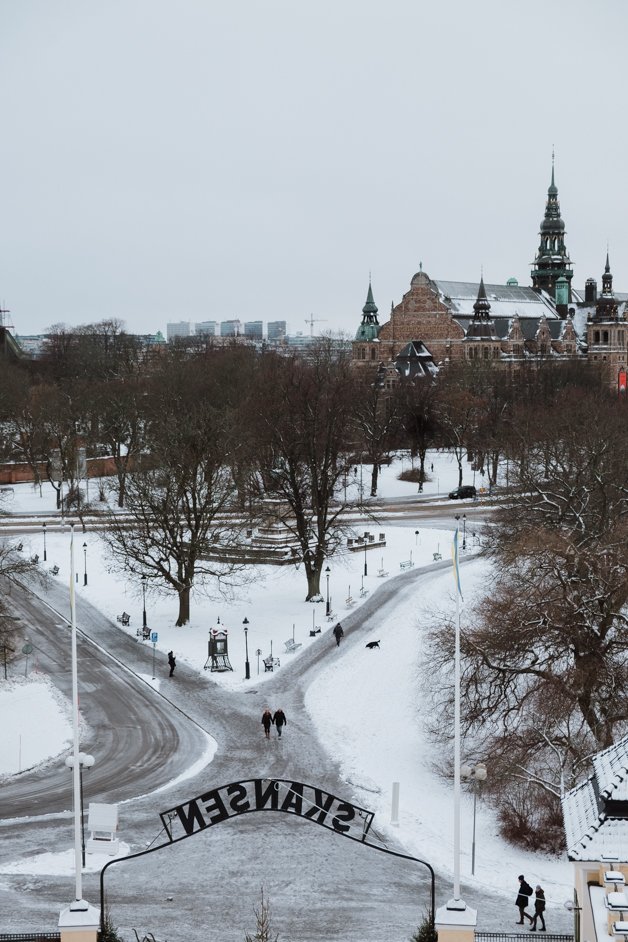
{"x": 478, "y": 774}
{"x": 247, "y": 666}
{"x": 44, "y": 529}
{"x": 85, "y": 564}
{"x": 144, "y": 604}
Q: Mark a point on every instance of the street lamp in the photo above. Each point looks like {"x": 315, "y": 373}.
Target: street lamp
{"x": 366, "y": 539}
{"x": 478, "y": 774}
{"x": 85, "y": 567}
{"x": 85, "y": 761}
{"x": 44, "y": 529}
{"x": 258, "y": 652}
{"x": 416, "y": 537}
{"x": 144, "y": 604}
{"x": 464, "y": 531}
{"x": 327, "y": 607}
{"x": 247, "y": 666}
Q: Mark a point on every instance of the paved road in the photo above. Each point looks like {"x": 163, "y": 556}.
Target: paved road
{"x": 322, "y": 887}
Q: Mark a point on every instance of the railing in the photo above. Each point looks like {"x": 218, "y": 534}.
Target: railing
{"x": 30, "y": 937}
{"x": 517, "y": 936}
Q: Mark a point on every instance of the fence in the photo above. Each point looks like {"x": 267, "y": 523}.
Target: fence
{"x": 517, "y": 936}
{"x": 30, "y": 937}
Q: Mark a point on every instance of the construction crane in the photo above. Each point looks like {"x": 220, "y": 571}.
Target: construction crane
{"x": 311, "y": 320}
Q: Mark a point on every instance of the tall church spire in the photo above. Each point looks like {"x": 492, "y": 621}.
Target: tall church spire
{"x": 552, "y": 259}
{"x": 481, "y": 325}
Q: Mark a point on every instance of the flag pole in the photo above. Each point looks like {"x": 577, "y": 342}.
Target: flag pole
{"x": 76, "y": 771}
{"x": 457, "y": 902}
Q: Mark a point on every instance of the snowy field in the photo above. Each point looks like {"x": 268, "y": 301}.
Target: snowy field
{"x": 378, "y": 739}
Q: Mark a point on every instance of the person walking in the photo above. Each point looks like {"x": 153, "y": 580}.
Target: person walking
{"x": 523, "y": 898}
{"x": 267, "y": 719}
{"x": 279, "y": 719}
{"x": 338, "y": 634}
{"x": 172, "y": 661}
{"x": 539, "y": 908}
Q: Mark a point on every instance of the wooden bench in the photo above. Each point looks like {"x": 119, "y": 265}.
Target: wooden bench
{"x": 292, "y": 645}
{"x": 436, "y": 556}
{"x": 143, "y": 633}
{"x": 363, "y": 593}
{"x": 54, "y": 570}
{"x": 35, "y": 559}
{"x": 349, "y": 601}
{"x": 19, "y": 547}
{"x": 124, "y": 618}
{"x": 382, "y": 572}
{"x": 270, "y": 663}
{"x": 406, "y": 564}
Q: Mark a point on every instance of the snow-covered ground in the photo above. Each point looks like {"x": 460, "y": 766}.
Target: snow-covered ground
{"x": 377, "y": 737}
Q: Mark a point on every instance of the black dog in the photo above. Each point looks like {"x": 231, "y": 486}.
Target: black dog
{"x": 373, "y": 644}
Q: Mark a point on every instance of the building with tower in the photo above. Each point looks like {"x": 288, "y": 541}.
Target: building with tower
{"x": 511, "y": 324}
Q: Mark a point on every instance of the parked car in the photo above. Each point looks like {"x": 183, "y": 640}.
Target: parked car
{"x": 466, "y": 490}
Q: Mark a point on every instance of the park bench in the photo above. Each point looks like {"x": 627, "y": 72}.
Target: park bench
{"x": 436, "y": 556}
{"x": 19, "y": 547}
{"x": 292, "y": 645}
{"x": 143, "y": 633}
{"x": 406, "y": 564}
{"x": 270, "y": 663}
{"x": 349, "y": 601}
{"x": 35, "y": 558}
{"x": 124, "y": 618}
{"x": 382, "y": 572}
{"x": 54, "y": 570}
{"x": 363, "y": 592}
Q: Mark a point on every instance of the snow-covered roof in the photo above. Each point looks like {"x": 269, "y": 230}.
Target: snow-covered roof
{"x": 595, "y": 813}
{"x": 505, "y": 300}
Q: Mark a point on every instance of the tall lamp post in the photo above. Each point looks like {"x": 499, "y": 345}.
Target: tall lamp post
{"x": 416, "y": 537}
{"x": 247, "y": 666}
{"x": 85, "y": 564}
{"x": 85, "y": 761}
{"x": 44, "y": 529}
{"x": 144, "y": 604}
{"x": 478, "y": 774}
{"x": 366, "y": 540}
{"x": 464, "y": 531}
{"x": 327, "y": 606}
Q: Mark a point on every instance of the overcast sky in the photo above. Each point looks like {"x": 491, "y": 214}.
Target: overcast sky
{"x": 196, "y": 160}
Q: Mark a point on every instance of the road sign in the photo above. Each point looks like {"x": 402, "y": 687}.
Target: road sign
{"x": 154, "y": 637}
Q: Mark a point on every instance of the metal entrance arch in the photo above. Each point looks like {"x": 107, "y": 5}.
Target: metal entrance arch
{"x": 251, "y": 795}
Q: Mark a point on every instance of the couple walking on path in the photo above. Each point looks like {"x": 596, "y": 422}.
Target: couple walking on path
{"x": 523, "y": 897}
{"x": 279, "y": 720}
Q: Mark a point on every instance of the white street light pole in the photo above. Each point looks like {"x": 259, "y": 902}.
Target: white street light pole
{"x": 79, "y": 902}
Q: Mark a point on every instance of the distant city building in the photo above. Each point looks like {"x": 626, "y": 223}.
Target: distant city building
{"x": 230, "y": 328}
{"x": 178, "y": 329}
{"x": 207, "y": 328}
{"x": 254, "y": 330}
{"x": 276, "y": 330}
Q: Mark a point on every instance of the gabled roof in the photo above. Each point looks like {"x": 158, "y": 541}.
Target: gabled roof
{"x": 595, "y": 813}
{"x": 505, "y": 300}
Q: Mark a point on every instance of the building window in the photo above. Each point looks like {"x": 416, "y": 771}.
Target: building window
{"x": 605, "y": 337}
{"x": 596, "y": 336}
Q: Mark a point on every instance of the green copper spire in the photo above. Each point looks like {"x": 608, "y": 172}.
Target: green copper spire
{"x": 552, "y": 259}
{"x": 369, "y": 328}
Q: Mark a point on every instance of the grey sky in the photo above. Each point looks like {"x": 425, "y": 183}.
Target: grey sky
{"x": 190, "y": 160}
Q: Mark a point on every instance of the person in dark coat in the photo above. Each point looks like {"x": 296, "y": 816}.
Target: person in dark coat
{"x": 523, "y": 898}
{"x": 267, "y": 719}
{"x": 172, "y": 661}
{"x": 539, "y": 909}
{"x": 279, "y": 719}
{"x": 338, "y": 633}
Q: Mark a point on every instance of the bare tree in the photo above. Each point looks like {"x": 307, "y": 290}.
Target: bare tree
{"x": 300, "y": 416}
{"x": 178, "y": 530}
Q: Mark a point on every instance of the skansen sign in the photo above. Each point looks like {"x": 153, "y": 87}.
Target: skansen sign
{"x": 262, "y": 794}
